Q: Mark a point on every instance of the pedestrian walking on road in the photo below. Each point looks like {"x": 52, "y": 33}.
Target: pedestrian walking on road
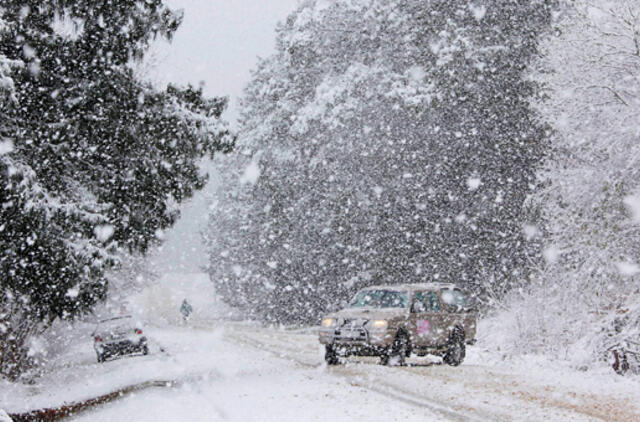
{"x": 185, "y": 310}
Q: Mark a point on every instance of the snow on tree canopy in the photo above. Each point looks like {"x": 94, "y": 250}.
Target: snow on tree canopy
{"x": 395, "y": 138}
{"x": 92, "y": 160}
{"x": 590, "y": 70}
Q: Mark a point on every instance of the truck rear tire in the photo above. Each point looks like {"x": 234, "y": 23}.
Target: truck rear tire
{"x": 456, "y": 348}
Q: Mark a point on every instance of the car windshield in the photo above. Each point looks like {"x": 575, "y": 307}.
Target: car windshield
{"x": 380, "y": 299}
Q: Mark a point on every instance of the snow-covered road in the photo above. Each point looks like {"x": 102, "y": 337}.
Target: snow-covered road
{"x": 240, "y": 372}
{"x": 248, "y": 384}
{"x": 473, "y": 391}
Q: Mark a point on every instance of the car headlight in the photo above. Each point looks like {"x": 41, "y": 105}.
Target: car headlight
{"x": 380, "y": 324}
{"x": 328, "y": 322}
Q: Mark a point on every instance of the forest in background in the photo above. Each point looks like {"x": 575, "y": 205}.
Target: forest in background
{"x": 395, "y": 142}
{"x": 585, "y": 296}
{"x": 490, "y": 144}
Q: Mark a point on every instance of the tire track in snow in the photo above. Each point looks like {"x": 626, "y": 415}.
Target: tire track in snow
{"x": 515, "y": 401}
{"x": 356, "y": 380}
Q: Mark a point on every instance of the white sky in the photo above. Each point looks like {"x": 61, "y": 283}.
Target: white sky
{"x": 219, "y": 42}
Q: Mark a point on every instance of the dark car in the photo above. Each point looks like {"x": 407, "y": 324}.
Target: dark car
{"x": 119, "y": 336}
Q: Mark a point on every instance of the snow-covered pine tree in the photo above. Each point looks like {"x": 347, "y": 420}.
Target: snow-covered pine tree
{"x": 394, "y": 142}
{"x": 98, "y": 161}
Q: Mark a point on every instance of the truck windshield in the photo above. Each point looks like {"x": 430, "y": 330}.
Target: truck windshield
{"x": 380, "y": 299}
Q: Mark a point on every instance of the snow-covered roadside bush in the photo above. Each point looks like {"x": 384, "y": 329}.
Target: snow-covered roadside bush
{"x": 4, "y": 417}
{"x": 591, "y": 69}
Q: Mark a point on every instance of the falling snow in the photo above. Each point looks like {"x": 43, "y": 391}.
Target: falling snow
{"x": 492, "y": 145}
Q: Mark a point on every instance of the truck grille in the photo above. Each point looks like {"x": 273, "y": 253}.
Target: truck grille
{"x": 352, "y": 329}
{"x": 354, "y": 323}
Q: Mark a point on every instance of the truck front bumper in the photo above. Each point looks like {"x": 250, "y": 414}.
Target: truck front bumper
{"x": 360, "y": 338}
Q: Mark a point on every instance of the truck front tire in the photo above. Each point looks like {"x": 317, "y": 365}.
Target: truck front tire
{"x": 399, "y": 350}
{"x": 330, "y": 355}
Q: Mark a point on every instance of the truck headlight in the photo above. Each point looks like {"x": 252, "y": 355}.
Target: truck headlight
{"x": 328, "y": 322}
{"x": 380, "y": 324}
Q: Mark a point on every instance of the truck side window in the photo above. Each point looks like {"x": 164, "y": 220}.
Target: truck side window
{"x": 426, "y": 302}
{"x": 418, "y": 304}
{"x": 454, "y": 300}
{"x": 461, "y": 299}
{"x": 433, "y": 301}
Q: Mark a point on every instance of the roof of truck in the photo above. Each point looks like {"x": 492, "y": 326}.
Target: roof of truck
{"x": 413, "y": 286}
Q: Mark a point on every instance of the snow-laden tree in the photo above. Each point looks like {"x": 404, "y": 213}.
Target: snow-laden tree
{"x": 385, "y": 142}
{"x": 94, "y": 162}
{"x": 590, "y": 203}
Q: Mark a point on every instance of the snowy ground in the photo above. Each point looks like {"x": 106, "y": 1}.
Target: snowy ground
{"x": 240, "y": 372}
